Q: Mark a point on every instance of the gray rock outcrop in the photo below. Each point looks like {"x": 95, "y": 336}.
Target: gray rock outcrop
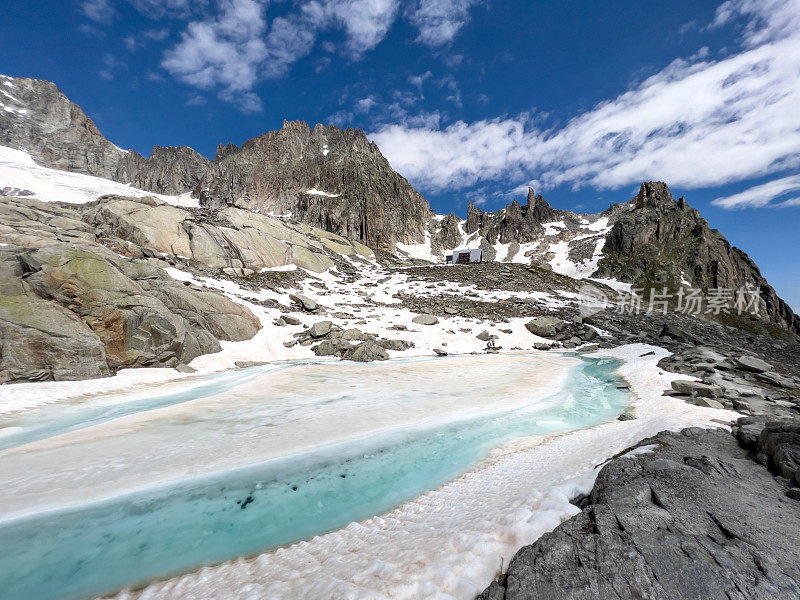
{"x": 70, "y": 308}
{"x": 698, "y": 519}
{"x": 231, "y": 238}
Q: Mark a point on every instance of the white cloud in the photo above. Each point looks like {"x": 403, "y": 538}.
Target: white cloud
{"x": 195, "y": 100}
{"x": 236, "y": 48}
{"x": 364, "y": 105}
{"x": 133, "y": 42}
{"x": 110, "y": 65}
{"x": 102, "y": 11}
{"x": 699, "y": 122}
{"x": 439, "y": 21}
{"x": 764, "y": 194}
{"x": 226, "y": 51}
{"x": 418, "y": 80}
{"x": 290, "y": 39}
{"x": 365, "y": 22}
{"x": 98, "y": 10}
{"x": 156, "y": 9}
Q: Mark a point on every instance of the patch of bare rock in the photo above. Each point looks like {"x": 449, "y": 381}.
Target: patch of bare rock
{"x": 707, "y": 515}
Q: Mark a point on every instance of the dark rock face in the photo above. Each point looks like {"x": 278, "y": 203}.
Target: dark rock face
{"x": 172, "y": 170}
{"x": 697, "y": 519}
{"x": 780, "y": 441}
{"x": 364, "y": 199}
{"x": 448, "y": 235}
{"x": 659, "y": 240}
{"x": 42, "y": 121}
{"x": 514, "y": 224}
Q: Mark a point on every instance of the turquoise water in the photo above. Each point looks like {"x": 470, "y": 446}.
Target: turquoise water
{"x": 102, "y": 547}
{"x": 43, "y": 422}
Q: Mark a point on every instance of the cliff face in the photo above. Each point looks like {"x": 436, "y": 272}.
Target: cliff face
{"x": 35, "y": 116}
{"x": 660, "y": 242}
{"x": 172, "y": 170}
{"x": 327, "y": 177}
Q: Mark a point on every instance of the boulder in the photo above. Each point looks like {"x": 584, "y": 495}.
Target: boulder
{"x": 748, "y": 434}
{"x": 354, "y": 335}
{"x": 425, "y": 320}
{"x": 306, "y": 303}
{"x": 545, "y": 326}
{"x": 290, "y": 320}
{"x": 780, "y": 441}
{"x": 334, "y": 347}
{"x": 484, "y": 336}
{"x": 696, "y": 388}
{"x": 396, "y": 345}
{"x": 367, "y": 352}
{"x": 776, "y": 379}
{"x": 320, "y": 329}
{"x": 707, "y": 402}
{"x": 678, "y": 334}
{"x": 246, "y": 364}
{"x": 752, "y": 364}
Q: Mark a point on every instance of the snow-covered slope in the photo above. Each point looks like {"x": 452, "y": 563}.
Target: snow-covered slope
{"x": 21, "y": 176}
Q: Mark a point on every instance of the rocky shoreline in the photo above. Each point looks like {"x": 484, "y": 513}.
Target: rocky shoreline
{"x": 696, "y": 514}
{"x": 693, "y": 515}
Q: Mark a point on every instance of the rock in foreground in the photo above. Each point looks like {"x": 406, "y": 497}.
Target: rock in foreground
{"x": 695, "y": 519}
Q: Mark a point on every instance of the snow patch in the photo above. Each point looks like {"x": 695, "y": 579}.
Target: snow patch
{"x": 316, "y": 192}
{"x": 18, "y": 169}
{"x": 422, "y": 251}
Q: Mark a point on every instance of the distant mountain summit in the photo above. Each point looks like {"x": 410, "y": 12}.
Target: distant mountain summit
{"x": 326, "y": 177}
{"x": 660, "y": 242}
{"x": 35, "y": 116}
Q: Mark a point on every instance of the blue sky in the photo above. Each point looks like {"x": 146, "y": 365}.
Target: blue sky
{"x": 469, "y": 99}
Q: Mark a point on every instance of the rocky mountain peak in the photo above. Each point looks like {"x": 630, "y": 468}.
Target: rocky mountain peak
{"x": 664, "y": 243}
{"x": 36, "y": 117}
{"x": 515, "y": 223}
{"x": 654, "y": 194}
{"x": 224, "y": 150}
{"x": 328, "y": 177}
{"x": 539, "y": 208}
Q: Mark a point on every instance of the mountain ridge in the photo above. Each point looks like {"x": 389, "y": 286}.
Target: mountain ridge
{"x": 37, "y": 117}
{"x": 337, "y": 180}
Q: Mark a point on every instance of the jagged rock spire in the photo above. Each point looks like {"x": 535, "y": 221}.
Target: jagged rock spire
{"x": 538, "y": 208}
{"x": 655, "y": 194}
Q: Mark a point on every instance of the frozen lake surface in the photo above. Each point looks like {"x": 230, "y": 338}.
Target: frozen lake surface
{"x": 115, "y": 490}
